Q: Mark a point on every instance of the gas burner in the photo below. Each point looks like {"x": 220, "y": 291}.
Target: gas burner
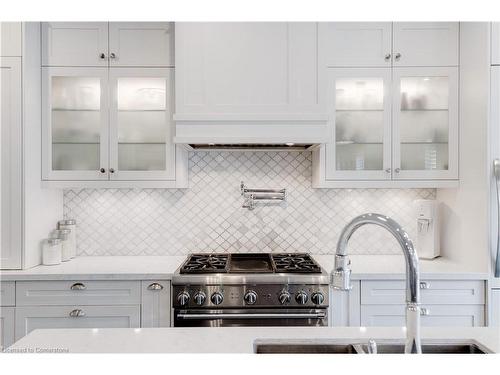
{"x": 206, "y": 263}
{"x": 295, "y": 263}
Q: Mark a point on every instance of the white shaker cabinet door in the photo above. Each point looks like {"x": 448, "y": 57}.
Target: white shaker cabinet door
{"x": 426, "y": 43}
{"x": 355, "y": 44}
{"x": 11, "y": 164}
{"x": 141, "y": 44}
{"x": 156, "y": 304}
{"x": 10, "y": 38}
{"x": 6, "y": 327}
{"x": 74, "y": 43}
{"x": 29, "y": 318}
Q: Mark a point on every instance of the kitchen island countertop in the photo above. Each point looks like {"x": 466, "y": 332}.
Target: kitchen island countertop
{"x": 230, "y": 340}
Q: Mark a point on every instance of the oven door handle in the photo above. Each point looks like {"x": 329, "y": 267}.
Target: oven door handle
{"x": 197, "y": 316}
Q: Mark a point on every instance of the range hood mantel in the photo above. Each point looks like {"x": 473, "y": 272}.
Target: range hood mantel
{"x": 272, "y": 131}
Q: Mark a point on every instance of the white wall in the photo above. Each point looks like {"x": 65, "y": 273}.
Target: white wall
{"x": 466, "y": 209}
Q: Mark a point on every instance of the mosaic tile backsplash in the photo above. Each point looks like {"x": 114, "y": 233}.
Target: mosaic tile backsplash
{"x": 208, "y": 216}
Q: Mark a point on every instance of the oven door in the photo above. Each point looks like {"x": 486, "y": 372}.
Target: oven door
{"x": 250, "y": 317}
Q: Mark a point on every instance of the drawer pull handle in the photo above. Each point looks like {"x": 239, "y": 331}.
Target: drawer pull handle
{"x": 424, "y": 285}
{"x": 424, "y": 311}
{"x": 155, "y": 286}
{"x": 78, "y": 286}
{"x": 77, "y": 313}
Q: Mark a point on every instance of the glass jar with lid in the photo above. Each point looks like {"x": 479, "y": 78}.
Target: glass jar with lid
{"x": 63, "y": 235}
{"x": 52, "y": 252}
{"x": 71, "y": 225}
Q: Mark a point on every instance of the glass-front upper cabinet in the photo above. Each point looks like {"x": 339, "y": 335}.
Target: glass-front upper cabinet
{"x": 141, "y": 128}
{"x": 360, "y": 109}
{"x": 425, "y": 123}
{"x": 75, "y": 123}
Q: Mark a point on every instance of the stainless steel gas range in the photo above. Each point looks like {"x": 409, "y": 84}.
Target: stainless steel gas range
{"x": 223, "y": 290}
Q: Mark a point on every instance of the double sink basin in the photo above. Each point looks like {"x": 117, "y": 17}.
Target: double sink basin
{"x": 383, "y": 347}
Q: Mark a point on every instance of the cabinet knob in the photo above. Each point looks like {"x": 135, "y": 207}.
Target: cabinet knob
{"x": 424, "y": 311}
{"x": 387, "y": 57}
{"x": 424, "y": 285}
{"x": 111, "y": 170}
{"x": 155, "y": 286}
{"x": 77, "y": 313}
{"x": 102, "y": 56}
{"x": 388, "y": 170}
{"x": 102, "y": 170}
{"x": 78, "y": 286}
{"x": 112, "y": 55}
{"x": 397, "y": 56}
{"x": 397, "y": 170}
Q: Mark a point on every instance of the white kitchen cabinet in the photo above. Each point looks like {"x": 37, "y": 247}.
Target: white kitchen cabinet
{"x": 398, "y": 130}
{"x": 435, "y": 292}
{"x": 110, "y": 127}
{"x": 248, "y": 82}
{"x": 495, "y": 43}
{"x": 141, "y": 127}
{"x": 141, "y": 44}
{"x": 7, "y": 293}
{"x": 7, "y": 319}
{"x": 11, "y": 163}
{"x": 74, "y": 43}
{"x": 425, "y": 123}
{"x": 75, "y": 123}
{"x": 426, "y": 43}
{"x": 29, "y": 318}
{"x": 355, "y": 44}
{"x": 360, "y": 109}
{"x": 494, "y": 318}
{"x": 84, "y": 292}
{"x": 156, "y": 303}
{"x": 102, "y": 44}
{"x": 344, "y": 308}
{"x": 11, "y": 39}
{"x": 431, "y": 315}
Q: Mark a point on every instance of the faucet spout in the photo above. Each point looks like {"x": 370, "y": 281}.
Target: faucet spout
{"x": 342, "y": 273}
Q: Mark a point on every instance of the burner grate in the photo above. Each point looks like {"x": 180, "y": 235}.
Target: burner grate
{"x": 295, "y": 263}
{"x": 206, "y": 263}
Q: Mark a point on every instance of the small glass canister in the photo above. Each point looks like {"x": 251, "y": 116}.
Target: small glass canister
{"x": 63, "y": 235}
{"x": 51, "y": 252}
{"x": 71, "y": 225}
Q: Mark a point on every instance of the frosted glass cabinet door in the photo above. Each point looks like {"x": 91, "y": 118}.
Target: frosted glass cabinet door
{"x": 75, "y": 124}
{"x": 141, "y": 127}
{"x": 425, "y": 130}
{"x": 359, "y": 106}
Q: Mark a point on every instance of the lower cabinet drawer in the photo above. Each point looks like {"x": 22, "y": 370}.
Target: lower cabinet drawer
{"x": 92, "y": 292}
{"x": 456, "y": 292}
{"x": 29, "y": 318}
{"x": 431, "y": 315}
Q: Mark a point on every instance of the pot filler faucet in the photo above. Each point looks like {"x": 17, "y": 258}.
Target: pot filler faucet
{"x": 341, "y": 275}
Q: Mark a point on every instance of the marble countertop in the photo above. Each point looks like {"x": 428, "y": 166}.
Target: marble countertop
{"x": 163, "y": 267}
{"x": 232, "y": 340}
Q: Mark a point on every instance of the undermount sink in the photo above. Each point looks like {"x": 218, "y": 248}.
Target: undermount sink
{"x": 383, "y": 347}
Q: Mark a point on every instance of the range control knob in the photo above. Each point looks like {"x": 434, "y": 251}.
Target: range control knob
{"x": 301, "y": 297}
{"x": 284, "y": 297}
{"x": 317, "y": 298}
{"x": 183, "y": 298}
{"x": 250, "y": 297}
{"x": 217, "y": 298}
{"x": 199, "y": 298}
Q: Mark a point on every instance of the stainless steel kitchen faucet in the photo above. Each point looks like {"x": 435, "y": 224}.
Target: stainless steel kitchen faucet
{"x": 341, "y": 275}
